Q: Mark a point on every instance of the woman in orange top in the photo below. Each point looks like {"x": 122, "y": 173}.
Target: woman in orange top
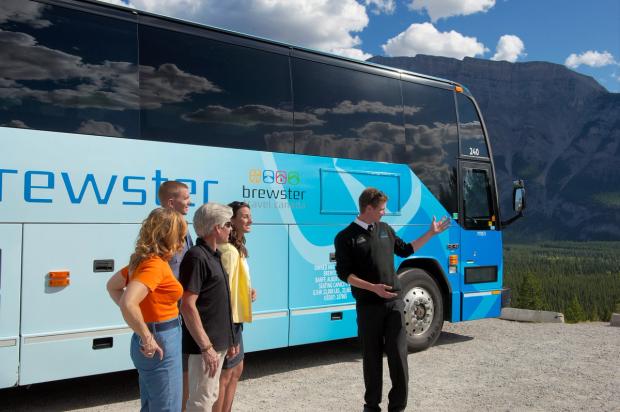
{"x": 148, "y": 295}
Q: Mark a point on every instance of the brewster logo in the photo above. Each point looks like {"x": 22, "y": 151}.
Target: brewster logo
{"x": 279, "y": 188}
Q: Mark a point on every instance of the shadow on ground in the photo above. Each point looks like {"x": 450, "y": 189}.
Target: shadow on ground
{"x": 101, "y": 390}
{"x": 68, "y": 394}
{"x": 259, "y": 364}
{"x": 449, "y": 338}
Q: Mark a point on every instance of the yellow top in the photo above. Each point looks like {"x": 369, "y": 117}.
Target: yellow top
{"x": 240, "y": 284}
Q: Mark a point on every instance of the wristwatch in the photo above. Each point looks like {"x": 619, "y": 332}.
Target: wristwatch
{"x": 206, "y": 348}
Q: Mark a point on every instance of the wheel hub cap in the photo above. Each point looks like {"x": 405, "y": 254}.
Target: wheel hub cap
{"x": 419, "y": 311}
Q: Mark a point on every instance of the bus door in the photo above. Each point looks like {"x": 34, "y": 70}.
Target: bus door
{"x": 481, "y": 243}
{"x": 10, "y": 280}
{"x": 322, "y": 307}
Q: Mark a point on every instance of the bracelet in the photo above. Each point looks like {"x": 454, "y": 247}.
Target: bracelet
{"x": 206, "y": 349}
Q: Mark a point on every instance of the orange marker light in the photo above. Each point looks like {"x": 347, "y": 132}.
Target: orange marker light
{"x": 454, "y": 260}
{"x": 58, "y": 278}
{"x": 57, "y": 283}
{"x": 458, "y": 89}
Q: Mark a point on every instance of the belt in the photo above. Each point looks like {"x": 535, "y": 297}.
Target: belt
{"x": 162, "y": 326}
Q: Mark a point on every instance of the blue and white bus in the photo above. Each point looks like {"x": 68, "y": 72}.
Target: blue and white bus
{"x": 99, "y": 104}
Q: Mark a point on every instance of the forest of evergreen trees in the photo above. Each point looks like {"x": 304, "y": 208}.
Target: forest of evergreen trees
{"x": 579, "y": 279}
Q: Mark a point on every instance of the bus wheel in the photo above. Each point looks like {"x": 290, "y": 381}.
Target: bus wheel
{"x": 423, "y": 308}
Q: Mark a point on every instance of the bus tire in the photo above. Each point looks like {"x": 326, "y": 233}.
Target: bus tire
{"x": 423, "y": 311}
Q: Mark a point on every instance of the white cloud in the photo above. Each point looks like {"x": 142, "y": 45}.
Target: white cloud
{"x": 119, "y": 2}
{"x": 363, "y": 106}
{"x": 381, "y": 6}
{"x": 110, "y": 85}
{"x": 16, "y": 123}
{"x": 250, "y": 116}
{"x": 590, "y": 58}
{"x": 352, "y": 53}
{"x": 509, "y": 48}
{"x": 426, "y": 39}
{"x": 169, "y": 84}
{"x": 382, "y": 132}
{"x": 438, "y": 9}
{"x": 326, "y": 25}
{"x": 23, "y": 12}
{"x": 100, "y": 129}
{"x": 353, "y": 146}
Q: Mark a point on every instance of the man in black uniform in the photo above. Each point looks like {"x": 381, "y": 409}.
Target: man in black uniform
{"x": 365, "y": 259}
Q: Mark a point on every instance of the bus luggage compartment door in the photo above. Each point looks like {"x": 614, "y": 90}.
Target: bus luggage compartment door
{"x": 10, "y": 280}
{"x": 322, "y": 307}
{"x": 71, "y": 327}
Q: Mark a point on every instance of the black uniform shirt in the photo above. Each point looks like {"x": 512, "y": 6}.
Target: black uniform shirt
{"x": 369, "y": 256}
{"x": 202, "y": 273}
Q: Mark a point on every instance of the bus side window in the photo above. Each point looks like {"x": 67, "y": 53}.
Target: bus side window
{"x": 341, "y": 112}
{"x": 470, "y": 129}
{"x": 68, "y": 71}
{"x": 432, "y": 139}
{"x": 213, "y": 93}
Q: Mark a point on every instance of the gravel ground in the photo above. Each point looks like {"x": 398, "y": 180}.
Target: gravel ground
{"x": 491, "y": 364}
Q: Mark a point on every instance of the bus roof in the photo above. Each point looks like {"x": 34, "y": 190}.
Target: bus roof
{"x": 270, "y": 41}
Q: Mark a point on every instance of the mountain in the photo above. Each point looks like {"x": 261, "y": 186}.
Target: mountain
{"x": 556, "y": 129}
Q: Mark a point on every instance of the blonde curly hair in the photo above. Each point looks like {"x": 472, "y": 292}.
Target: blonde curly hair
{"x": 162, "y": 234}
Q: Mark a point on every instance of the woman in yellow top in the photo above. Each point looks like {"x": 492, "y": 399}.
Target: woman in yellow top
{"x": 234, "y": 254}
{"x": 148, "y": 294}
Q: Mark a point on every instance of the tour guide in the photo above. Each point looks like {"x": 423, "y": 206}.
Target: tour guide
{"x": 365, "y": 259}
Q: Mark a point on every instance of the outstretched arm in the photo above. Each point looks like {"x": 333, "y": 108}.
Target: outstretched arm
{"x": 434, "y": 229}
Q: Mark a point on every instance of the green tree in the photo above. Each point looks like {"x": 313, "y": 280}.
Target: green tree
{"x": 529, "y": 293}
{"x": 574, "y": 312}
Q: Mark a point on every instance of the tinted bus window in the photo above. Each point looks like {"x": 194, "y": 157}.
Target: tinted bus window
{"x": 432, "y": 139}
{"x": 66, "y": 70}
{"x": 477, "y": 200}
{"x": 345, "y": 113}
{"x": 202, "y": 91}
{"x": 470, "y": 129}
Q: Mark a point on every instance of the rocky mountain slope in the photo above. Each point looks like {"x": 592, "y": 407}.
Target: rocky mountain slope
{"x": 556, "y": 129}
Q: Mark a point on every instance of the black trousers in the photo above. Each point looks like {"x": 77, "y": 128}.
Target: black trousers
{"x": 381, "y": 329}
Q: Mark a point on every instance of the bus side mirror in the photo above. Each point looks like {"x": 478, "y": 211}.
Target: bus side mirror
{"x": 518, "y": 201}
{"x": 518, "y": 196}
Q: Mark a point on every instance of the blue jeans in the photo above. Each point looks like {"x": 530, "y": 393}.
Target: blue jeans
{"x": 161, "y": 382}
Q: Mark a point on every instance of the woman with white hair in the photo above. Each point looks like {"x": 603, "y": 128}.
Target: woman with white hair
{"x": 208, "y": 335}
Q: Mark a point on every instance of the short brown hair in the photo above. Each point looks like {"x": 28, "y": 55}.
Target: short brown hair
{"x": 371, "y": 197}
{"x": 169, "y": 189}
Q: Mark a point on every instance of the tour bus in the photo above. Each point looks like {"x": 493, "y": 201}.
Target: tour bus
{"x": 100, "y": 104}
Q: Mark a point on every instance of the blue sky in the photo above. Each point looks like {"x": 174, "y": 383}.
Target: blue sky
{"x": 584, "y": 36}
